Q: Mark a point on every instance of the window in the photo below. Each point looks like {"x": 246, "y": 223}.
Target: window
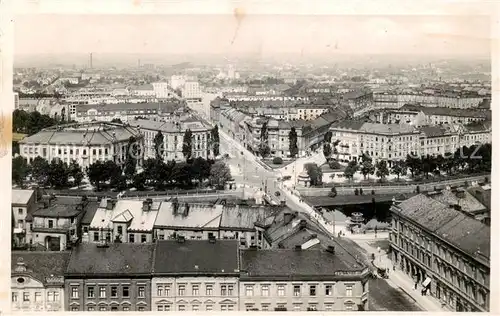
{"x": 126, "y": 308}
{"x": 208, "y": 307}
{"x": 348, "y": 306}
{"x": 265, "y": 290}
{"x": 348, "y": 290}
{"x": 223, "y": 290}
{"x": 114, "y": 308}
{"x": 265, "y": 307}
{"x": 141, "y": 292}
{"x": 102, "y": 308}
{"x": 296, "y": 290}
{"x": 20, "y": 211}
{"x": 102, "y": 292}
{"x": 209, "y": 289}
{"x": 114, "y": 291}
{"x": 230, "y": 288}
{"x": 329, "y": 290}
{"x": 182, "y": 290}
{"x": 181, "y": 308}
{"x": 143, "y": 238}
{"x": 312, "y": 290}
{"x": 74, "y": 292}
{"x": 131, "y": 238}
{"x": 312, "y": 307}
{"x": 26, "y": 297}
{"x": 51, "y": 223}
{"x": 196, "y": 307}
{"x": 141, "y": 309}
{"x": 196, "y": 289}
{"x": 90, "y": 292}
{"x": 74, "y": 309}
{"x": 328, "y": 307}
{"x": 159, "y": 290}
{"x": 125, "y": 291}
{"x": 91, "y": 308}
{"x": 249, "y": 290}
{"x": 38, "y": 297}
{"x": 120, "y": 230}
{"x": 281, "y": 290}
{"x": 96, "y": 236}
{"x": 14, "y": 296}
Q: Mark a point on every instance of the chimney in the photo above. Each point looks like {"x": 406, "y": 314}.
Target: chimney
{"x": 298, "y": 247}
{"x": 145, "y": 206}
{"x": 288, "y": 217}
{"x": 330, "y": 249}
{"x": 303, "y": 223}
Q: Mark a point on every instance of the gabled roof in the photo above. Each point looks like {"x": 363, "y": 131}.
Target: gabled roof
{"x": 40, "y": 264}
{"x": 123, "y": 217}
{"x": 21, "y": 196}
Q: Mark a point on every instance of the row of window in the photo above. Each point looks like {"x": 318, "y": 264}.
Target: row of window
{"x": 102, "y": 291}
{"x": 131, "y": 237}
{"x": 105, "y": 308}
{"x": 194, "y": 307}
{"x": 297, "y": 290}
{"x": 163, "y": 290}
{"x": 52, "y": 296}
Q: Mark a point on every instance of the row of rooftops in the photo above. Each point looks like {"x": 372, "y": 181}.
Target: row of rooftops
{"x": 182, "y": 257}
{"x": 442, "y": 111}
{"x": 401, "y": 129}
{"x": 441, "y": 213}
{"x": 171, "y": 127}
{"x": 164, "y": 107}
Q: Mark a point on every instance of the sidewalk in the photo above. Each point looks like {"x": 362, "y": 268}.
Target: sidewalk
{"x": 398, "y": 279}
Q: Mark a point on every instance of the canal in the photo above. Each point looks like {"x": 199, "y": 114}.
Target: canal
{"x": 375, "y": 213}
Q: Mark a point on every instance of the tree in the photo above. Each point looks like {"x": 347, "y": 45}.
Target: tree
{"x": 158, "y": 145}
{"x": 328, "y": 137}
{"x": 335, "y": 150}
{"x": 138, "y": 181}
{"x": 264, "y": 149}
{"x": 131, "y": 157}
{"x": 315, "y": 173}
{"x": 351, "y": 169}
{"x": 333, "y": 192}
{"x": 367, "y": 167}
{"x": 96, "y": 174}
{"x": 327, "y": 149}
{"x": 214, "y": 139}
{"x": 187, "y": 144}
{"x": 76, "y": 172}
{"x": 39, "y": 170}
{"x": 398, "y": 168}
{"x": 20, "y": 170}
{"x": 200, "y": 169}
{"x": 113, "y": 174}
{"x": 382, "y": 170}
{"x": 182, "y": 174}
{"x": 292, "y": 143}
{"x": 414, "y": 164}
{"x": 116, "y": 120}
{"x": 58, "y": 174}
{"x": 219, "y": 175}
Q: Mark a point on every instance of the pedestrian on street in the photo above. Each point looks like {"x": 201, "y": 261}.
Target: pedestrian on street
{"x": 415, "y": 285}
{"x": 393, "y": 268}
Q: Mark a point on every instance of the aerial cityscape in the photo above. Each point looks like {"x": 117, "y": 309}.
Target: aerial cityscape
{"x": 342, "y": 166}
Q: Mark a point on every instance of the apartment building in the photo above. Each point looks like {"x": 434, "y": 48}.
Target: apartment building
{"x": 55, "y": 225}
{"x": 37, "y": 281}
{"x": 85, "y": 143}
{"x": 445, "y": 100}
{"x": 113, "y": 277}
{"x": 173, "y": 138}
{"x": 420, "y": 115}
{"x": 191, "y": 90}
{"x": 126, "y": 221}
{"x": 358, "y": 99}
{"x": 301, "y": 280}
{"x": 23, "y": 204}
{"x": 195, "y": 275}
{"x": 446, "y": 251}
{"x": 125, "y": 111}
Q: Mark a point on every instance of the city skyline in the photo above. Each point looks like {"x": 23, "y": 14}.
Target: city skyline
{"x": 262, "y": 35}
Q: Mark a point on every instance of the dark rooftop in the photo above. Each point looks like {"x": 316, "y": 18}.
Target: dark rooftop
{"x": 196, "y": 257}
{"x": 90, "y": 212}
{"x": 41, "y": 264}
{"x": 114, "y": 260}
{"x": 61, "y": 207}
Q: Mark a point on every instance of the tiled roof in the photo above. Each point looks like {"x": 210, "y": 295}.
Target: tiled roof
{"x": 41, "y": 264}
{"x": 63, "y": 207}
{"x": 169, "y": 127}
{"x": 21, "y": 196}
{"x": 164, "y": 107}
{"x": 290, "y": 263}
{"x": 390, "y": 129}
{"x": 463, "y": 198}
{"x": 482, "y": 195}
{"x": 90, "y": 212}
{"x": 117, "y": 259}
{"x": 442, "y": 111}
{"x": 348, "y": 124}
{"x": 196, "y": 257}
{"x": 433, "y": 131}
{"x": 452, "y": 225}
{"x": 243, "y": 217}
{"x": 198, "y": 216}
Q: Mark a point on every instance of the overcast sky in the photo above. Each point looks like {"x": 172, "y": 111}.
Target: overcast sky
{"x": 265, "y": 34}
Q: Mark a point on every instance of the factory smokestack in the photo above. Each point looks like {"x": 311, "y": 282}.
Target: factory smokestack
{"x": 90, "y": 60}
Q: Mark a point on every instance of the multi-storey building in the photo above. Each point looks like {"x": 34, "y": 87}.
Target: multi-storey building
{"x": 446, "y": 100}
{"x": 85, "y": 143}
{"x": 173, "y": 138}
{"x": 23, "y": 204}
{"x": 302, "y": 280}
{"x": 195, "y": 275}
{"x": 126, "y": 221}
{"x": 358, "y": 99}
{"x": 56, "y": 224}
{"x": 125, "y": 111}
{"x": 191, "y": 90}
{"x": 446, "y": 251}
{"x": 420, "y": 115}
{"x": 112, "y": 277}
{"x": 37, "y": 280}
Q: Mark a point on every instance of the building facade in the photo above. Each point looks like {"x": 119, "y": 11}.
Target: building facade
{"x": 85, "y": 143}
{"x": 115, "y": 277}
{"x": 23, "y": 204}
{"x": 37, "y": 282}
{"x": 189, "y": 275}
{"x": 444, "y": 250}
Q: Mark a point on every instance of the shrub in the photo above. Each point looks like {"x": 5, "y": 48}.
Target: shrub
{"x": 277, "y": 160}
{"x": 373, "y": 192}
{"x": 356, "y": 191}
{"x": 418, "y": 189}
{"x": 334, "y": 164}
{"x": 360, "y": 191}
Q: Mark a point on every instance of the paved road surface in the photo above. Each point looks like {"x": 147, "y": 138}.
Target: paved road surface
{"x": 384, "y": 297}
